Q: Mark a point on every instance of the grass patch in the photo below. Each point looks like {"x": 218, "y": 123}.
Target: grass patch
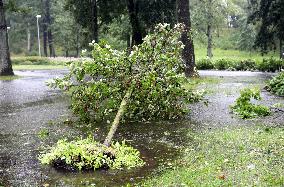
{"x": 9, "y": 78}
{"x": 195, "y": 82}
{"x": 233, "y": 54}
{"x": 245, "y": 156}
{"x": 38, "y": 67}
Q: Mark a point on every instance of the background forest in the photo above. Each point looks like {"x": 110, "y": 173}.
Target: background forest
{"x": 219, "y": 27}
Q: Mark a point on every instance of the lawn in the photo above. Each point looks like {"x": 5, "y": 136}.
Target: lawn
{"x": 233, "y": 54}
{"x": 243, "y": 156}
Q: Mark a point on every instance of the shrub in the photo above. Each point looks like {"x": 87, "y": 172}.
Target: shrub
{"x": 153, "y": 72}
{"x": 204, "y": 64}
{"x": 245, "y": 65}
{"x": 224, "y": 64}
{"x": 276, "y": 84}
{"x": 32, "y": 60}
{"x": 245, "y": 108}
{"x": 86, "y": 154}
{"x": 271, "y": 65}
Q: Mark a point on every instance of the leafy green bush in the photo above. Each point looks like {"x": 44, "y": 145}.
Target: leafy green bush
{"x": 276, "y": 84}
{"x": 245, "y": 108}
{"x": 245, "y": 65}
{"x": 271, "y": 65}
{"x": 32, "y": 60}
{"x": 153, "y": 72}
{"x": 86, "y": 154}
{"x": 223, "y": 64}
{"x": 205, "y": 63}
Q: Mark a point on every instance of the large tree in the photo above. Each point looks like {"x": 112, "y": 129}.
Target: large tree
{"x": 188, "y": 55}
{"x": 5, "y": 61}
{"x": 270, "y": 15}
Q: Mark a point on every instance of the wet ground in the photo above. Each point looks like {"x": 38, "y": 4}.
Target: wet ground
{"x": 27, "y": 106}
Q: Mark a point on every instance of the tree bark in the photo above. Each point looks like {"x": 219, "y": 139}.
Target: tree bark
{"x": 209, "y": 30}
{"x": 29, "y": 38}
{"x": 47, "y": 35}
{"x": 281, "y": 48}
{"x": 137, "y": 37}
{"x": 209, "y": 45}
{"x": 5, "y": 60}
{"x": 118, "y": 117}
{"x": 186, "y": 38}
{"x": 44, "y": 37}
{"x": 95, "y": 21}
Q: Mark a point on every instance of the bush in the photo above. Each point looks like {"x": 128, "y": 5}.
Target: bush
{"x": 276, "y": 84}
{"x": 204, "y": 64}
{"x": 271, "y": 65}
{"x": 223, "y": 64}
{"x": 87, "y": 154}
{"x": 153, "y": 72}
{"x": 31, "y": 60}
{"x": 245, "y": 109}
{"x": 245, "y": 65}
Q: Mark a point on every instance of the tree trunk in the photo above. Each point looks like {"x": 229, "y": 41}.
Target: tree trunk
{"x": 29, "y": 39}
{"x": 137, "y": 37}
{"x": 95, "y": 21}
{"x": 117, "y": 118}
{"x": 5, "y": 60}
{"x": 209, "y": 29}
{"x": 77, "y": 43}
{"x": 44, "y": 37}
{"x": 50, "y": 43}
{"x": 186, "y": 38}
{"x": 209, "y": 45}
{"x": 47, "y": 31}
{"x": 281, "y": 48}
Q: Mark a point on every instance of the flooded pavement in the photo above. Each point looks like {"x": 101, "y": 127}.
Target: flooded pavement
{"x": 225, "y": 91}
{"x": 27, "y": 106}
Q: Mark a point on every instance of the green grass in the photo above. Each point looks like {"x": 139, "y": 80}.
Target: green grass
{"x": 9, "y": 78}
{"x": 38, "y": 67}
{"x": 195, "y": 82}
{"x": 244, "y": 156}
{"x": 233, "y": 54}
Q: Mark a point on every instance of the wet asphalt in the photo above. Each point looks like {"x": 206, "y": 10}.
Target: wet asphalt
{"x": 27, "y": 105}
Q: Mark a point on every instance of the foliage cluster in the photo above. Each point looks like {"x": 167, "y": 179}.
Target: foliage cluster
{"x": 86, "y": 154}
{"x": 33, "y": 60}
{"x": 245, "y": 108}
{"x": 276, "y": 84}
{"x": 269, "y": 65}
{"x": 153, "y": 72}
{"x": 242, "y": 156}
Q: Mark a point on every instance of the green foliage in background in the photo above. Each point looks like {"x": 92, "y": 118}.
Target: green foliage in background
{"x": 276, "y": 84}
{"x": 153, "y": 70}
{"x": 86, "y": 154}
{"x": 265, "y": 65}
{"x": 244, "y": 107}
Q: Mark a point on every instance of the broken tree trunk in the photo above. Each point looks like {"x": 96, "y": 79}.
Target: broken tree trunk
{"x": 118, "y": 117}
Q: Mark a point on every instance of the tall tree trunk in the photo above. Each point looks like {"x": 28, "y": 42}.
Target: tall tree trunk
{"x": 186, "y": 38}
{"x": 47, "y": 30}
{"x": 78, "y": 41}
{"x": 209, "y": 29}
{"x": 137, "y": 37}
{"x": 209, "y": 45}
{"x": 118, "y": 117}
{"x": 50, "y": 43}
{"x": 29, "y": 38}
{"x": 95, "y": 21}
{"x": 5, "y": 60}
{"x": 44, "y": 37}
{"x": 281, "y": 49}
